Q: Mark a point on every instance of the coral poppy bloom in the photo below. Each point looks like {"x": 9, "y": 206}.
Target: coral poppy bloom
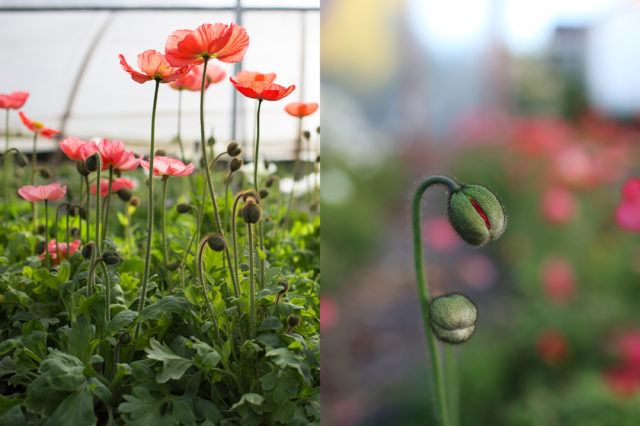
{"x": 193, "y": 80}
{"x": 116, "y": 185}
{"x": 301, "y": 109}
{"x": 37, "y": 127}
{"x": 13, "y": 100}
{"x": 53, "y": 191}
{"x": 154, "y": 66}
{"x": 262, "y": 90}
{"x": 77, "y": 149}
{"x": 227, "y": 43}
{"x": 246, "y": 76}
{"x": 114, "y": 154}
{"x": 62, "y": 249}
{"x": 167, "y": 166}
{"x": 627, "y": 213}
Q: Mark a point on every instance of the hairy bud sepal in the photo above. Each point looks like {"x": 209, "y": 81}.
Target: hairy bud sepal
{"x": 453, "y": 318}
{"x": 476, "y": 214}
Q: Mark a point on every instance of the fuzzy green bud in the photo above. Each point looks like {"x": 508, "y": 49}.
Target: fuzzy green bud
{"x": 45, "y": 173}
{"x": 41, "y": 229}
{"x": 211, "y": 141}
{"x": 125, "y": 194}
{"x": 111, "y": 257}
{"x": 82, "y": 168}
{"x": 233, "y": 149}
{"x": 251, "y": 211}
{"x": 21, "y": 160}
{"x": 453, "y": 317}
{"x": 263, "y": 193}
{"x": 160, "y": 152}
{"x": 75, "y": 231}
{"x": 87, "y": 250}
{"x": 134, "y": 201}
{"x": 93, "y": 162}
{"x": 183, "y": 208}
{"x": 39, "y": 247}
{"x": 293, "y": 320}
{"x": 270, "y": 181}
{"x": 476, "y": 214}
{"x": 216, "y": 242}
{"x": 172, "y": 266}
{"x": 83, "y": 213}
{"x": 235, "y": 163}
{"x": 124, "y": 339}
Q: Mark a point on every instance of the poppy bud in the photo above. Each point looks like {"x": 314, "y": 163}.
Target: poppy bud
{"x": 125, "y": 194}
{"x": 318, "y": 158}
{"x": 476, "y": 214}
{"x": 233, "y": 149}
{"x": 124, "y": 339}
{"x": 134, "y": 201}
{"x": 453, "y": 317}
{"x": 21, "y": 160}
{"x": 87, "y": 250}
{"x": 172, "y": 266}
{"x": 251, "y": 212}
{"x": 216, "y": 242}
{"x": 293, "y": 320}
{"x": 82, "y": 168}
{"x": 39, "y": 247}
{"x": 235, "y": 163}
{"x": 281, "y": 293}
{"x": 72, "y": 210}
{"x": 75, "y": 231}
{"x": 318, "y": 130}
{"x": 83, "y": 213}
{"x": 93, "y": 162}
{"x": 263, "y": 193}
{"x": 161, "y": 152}
{"x": 306, "y": 134}
{"x": 211, "y": 141}
{"x": 183, "y": 208}
{"x": 41, "y": 229}
{"x": 270, "y": 181}
{"x": 45, "y": 173}
{"x": 111, "y": 257}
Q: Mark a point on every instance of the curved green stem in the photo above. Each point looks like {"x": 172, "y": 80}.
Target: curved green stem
{"x": 423, "y": 290}
{"x": 252, "y": 289}
{"x": 107, "y": 204}
{"x": 163, "y": 223}
{"x": 255, "y": 155}
{"x": 296, "y": 164}
{"x": 96, "y": 247}
{"x": 147, "y": 254}
{"x": 107, "y": 291}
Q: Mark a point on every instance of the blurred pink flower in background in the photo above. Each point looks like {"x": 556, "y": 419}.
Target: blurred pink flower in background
{"x": 558, "y": 205}
{"x": 540, "y": 136}
{"x": 439, "y": 234}
{"x": 624, "y": 378}
{"x": 478, "y": 271}
{"x": 13, "y": 100}
{"x": 328, "y": 313}
{"x": 62, "y": 249}
{"x": 627, "y": 213}
{"x": 558, "y": 279}
{"x": 116, "y": 185}
{"x": 77, "y": 149}
{"x": 552, "y": 347}
{"x": 573, "y": 166}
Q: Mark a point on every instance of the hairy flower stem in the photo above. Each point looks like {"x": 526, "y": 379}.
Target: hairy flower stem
{"x": 179, "y": 139}
{"x": 55, "y": 228}
{"x": 451, "y": 371}
{"x": 95, "y": 254}
{"x": 212, "y": 314}
{"x": 163, "y": 222}
{"x": 216, "y": 214}
{"x": 6, "y": 162}
{"x": 107, "y": 204}
{"x": 255, "y": 187}
{"x": 127, "y": 228}
{"x": 296, "y": 164}
{"x": 67, "y": 230}
{"x": 46, "y": 234}
{"x": 188, "y": 250}
{"x": 88, "y": 195}
{"x": 147, "y": 253}
{"x": 34, "y": 157}
{"x": 423, "y": 291}
{"x": 252, "y": 287}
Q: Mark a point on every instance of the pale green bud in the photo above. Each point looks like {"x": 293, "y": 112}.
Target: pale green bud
{"x": 453, "y": 318}
{"x": 476, "y": 214}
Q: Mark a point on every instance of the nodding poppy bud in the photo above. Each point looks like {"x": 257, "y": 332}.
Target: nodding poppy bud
{"x": 125, "y": 194}
{"x": 87, "y": 250}
{"x": 92, "y": 162}
{"x": 318, "y": 130}
{"x": 233, "y": 149}
{"x": 476, "y": 214}
{"x": 235, "y": 163}
{"x": 160, "y": 152}
{"x": 293, "y": 320}
{"x": 306, "y": 134}
{"x": 281, "y": 293}
{"x": 211, "y": 141}
{"x": 72, "y": 210}
{"x": 21, "y": 160}
{"x": 82, "y": 168}
{"x": 172, "y": 266}
{"x": 45, "y": 173}
{"x": 75, "y": 231}
{"x": 453, "y": 317}
{"x": 39, "y": 247}
{"x": 263, "y": 193}
{"x": 251, "y": 211}
{"x": 270, "y": 181}
{"x": 111, "y": 257}
{"x": 83, "y": 213}
{"x": 41, "y": 229}
{"x": 124, "y": 339}
{"x": 183, "y": 208}
{"x": 216, "y": 242}
{"x": 134, "y": 201}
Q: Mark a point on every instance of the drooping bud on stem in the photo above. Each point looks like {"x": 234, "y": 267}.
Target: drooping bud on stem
{"x": 453, "y": 317}
{"x": 134, "y": 201}
{"x": 125, "y": 194}
{"x": 233, "y": 149}
{"x": 251, "y": 212}
{"x": 235, "y": 163}
{"x": 87, "y": 250}
{"x": 476, "y": 214}
{"x": 111, "y": 257}
{"x": 82, "y": 168}
{"x": 21, "y": 160}
{"x": 183, "y": 208}
{"x": 93, "y": 162}
{"x": 216, "y": 242}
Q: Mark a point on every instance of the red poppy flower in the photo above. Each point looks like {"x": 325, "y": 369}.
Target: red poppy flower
{"x": 628, "y": 212}
{"x": 114, "y": 154}
{"x": 227, "y": 43}
{"x": 262, "y": 89}
{"x": 558, "y": 206}
{"x": 558, "y": 279}
{"x": 246, "y": 76}
{"x": 62, "y": 249}
{"x": 37, "y": 127}
{"x": 193, "y": 80}
{"x": 552, "y": 347}
{"x": 77, "y": 149}
{"x": 116, "y": 185}
{"x": 53, "y": 191}
{"x": 13, "y": 100}
{"x": 153, "y": 65}
{"x": 301, "y": 109}
{"x": 167, "y": 166}
{"x": 623, "y": 379}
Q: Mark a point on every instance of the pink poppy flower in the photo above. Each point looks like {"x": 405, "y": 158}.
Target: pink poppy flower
{"x": 167, "y": 166}
{"x": 77, "y": 149}
{"x": 301, "y": 109}
{"x": 623, "y": 379}
{"x": 114, "y": 154}
{"x": 262, "y": 89}
{"x": 227, "y": 43}
{"x": 247, "y": 76}
{"x": 558, "y": 206}
{"x": 53, "y": 191}
{"x": 193, "y": 80}
{"x": 116, "y": 185}
{"x": 627, "y": 213}
{"x": 552, "y": 347}
{"x": 329, "y": 313}
{"x": 558, "y": 280}
{"x": 154, "y": 66}
{"x": 13, "y": 100}
{"x": 37, "y": 127}
{"x": 62, "y": 249}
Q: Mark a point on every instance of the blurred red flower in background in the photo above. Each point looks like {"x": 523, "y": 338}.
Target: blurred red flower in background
{"x": 13, "y": 100}
{"x": 328, "y": 313}
{"x": 627, "y": 213}
{"x": 558, "y": 279}
{"x": 558, "y": 205}
{"x": 573, "y": 165}
{"x": 77, "y": 149}
{"x": 116, "y": 185}
{"x": 540, "y": 136}
{"x": 624, "y": 379}
{"x": 167, "y": 166}
{"x": 301, "y": 109}
{"x": 227, "y": 43}
{"x": 62, "y": 249}
{"x": 53, "y": 191}
{"x": 246, "y": 76}
{"x": 193, "y": 80}
{"x": 552, "y": 347}
{"x": 438, "y": 233}
{"x": 37, "y": 127}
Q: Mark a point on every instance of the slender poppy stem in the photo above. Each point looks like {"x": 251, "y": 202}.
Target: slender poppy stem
{"x": 127, "y": 228}
{"x": 34, "y": 157}
{"x": 5, "y": 191}
{"x": 96, "y": 247}
{"x": 107, "y": 291}
{"x": 87, "y": 204}
{"x": 147, "y": 254}
{"x": 107, "y": 204}
{"x": 255, "y": 155}
{"x": 452, "y": 383}
{"x": 55, "y": 229}
{"x": 296, "y": 164}
{"x": 423, "y": 290}
{"x": 46, "y": 233}
{"x": 252, "y": 287}
{"x": 212, "y": 314}
{"x": 180, "y": 125}
{"x": 67, "y": 229}
{"x": 163, "y": 221}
